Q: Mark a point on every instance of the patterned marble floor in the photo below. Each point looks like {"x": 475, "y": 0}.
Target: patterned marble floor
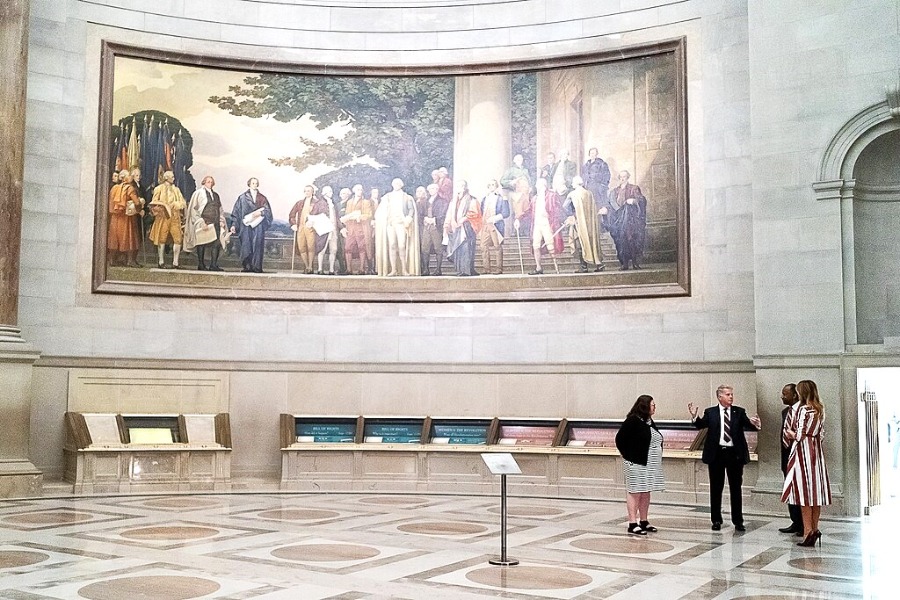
{"x": 356, "y": 546}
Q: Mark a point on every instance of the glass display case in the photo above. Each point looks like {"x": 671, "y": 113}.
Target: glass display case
{"x": 462, "y": 431}
{"x": 529, "y": 432}
{"x": 116, "y": 453}
{"x": 591, "y": 433}
{"x": 392, "y": 430}
{"x": 152, "y": 429}
{"x": 325, "y": 430}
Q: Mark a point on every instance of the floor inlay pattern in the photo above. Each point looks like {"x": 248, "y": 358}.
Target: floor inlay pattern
{"x": 356, "y": 546}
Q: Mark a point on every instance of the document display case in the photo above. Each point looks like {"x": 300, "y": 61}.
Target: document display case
{"x": 476, "y": 432}
{"x": 131, "y": 453}
{"x": 388, "y": 430}
{"x": 564, "y": 457}
{"x": 529, "y": 432}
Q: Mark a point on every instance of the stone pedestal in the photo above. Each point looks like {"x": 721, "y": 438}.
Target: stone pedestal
{"x": 18, "y": 477}
{"x": 483, "y": 129}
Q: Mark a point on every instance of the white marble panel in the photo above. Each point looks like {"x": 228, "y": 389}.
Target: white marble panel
{"x": 111, "y": 342}
{"x": 526, "y": 12}
{"x": 399, "y": 42}
{"x": 38, "y": 228}
{"x": 427, "y": 18}
{"x": 484, "y": 40}
{"x": 111, "y": 15}
{"x": 265, "y": 36}
{"x": 514, "y": 347}
{"x": 45, "y": 88}
{"x": 622, "y": 22}
{"x": 259, "y": 324}
{"x": 695, "y": 321}
{"x": 435, "y": 348}
{"x": 166, "y": 25}
{"x": 548, "y": 32}
{"x": 288, "y": 347}
{"x": 376, "y": 21}
{"x": 584, "y": 9}
{"x": 361, "y": 348}
{"x": 224, "y": 11}
{"x": 296, "y": 16}
{"x": 324, "y": 325}
{"x": 729, "y": 345}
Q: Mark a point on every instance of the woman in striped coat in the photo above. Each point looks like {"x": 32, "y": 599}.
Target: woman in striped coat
{"x": 806, "y": 483}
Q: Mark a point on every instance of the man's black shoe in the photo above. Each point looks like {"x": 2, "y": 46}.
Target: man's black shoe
{"x": 740, "y": 527}
{"x": 716, "y": 526}
{"x": 788, "y": 529}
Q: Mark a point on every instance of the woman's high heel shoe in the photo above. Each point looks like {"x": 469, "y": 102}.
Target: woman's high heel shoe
{"x": 812, "y": 539}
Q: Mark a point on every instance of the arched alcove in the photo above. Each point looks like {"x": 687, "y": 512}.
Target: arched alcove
{"x": 876, "y": 212}
{"x": 861, "y": 170}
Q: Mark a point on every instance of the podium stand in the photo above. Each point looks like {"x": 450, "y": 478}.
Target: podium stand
{"x": 502, "y": 464}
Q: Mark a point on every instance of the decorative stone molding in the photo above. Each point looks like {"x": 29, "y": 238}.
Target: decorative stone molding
{"x": 843, "y": 149}
{"x": 877, "y": 193}
{"x": 893, "y": 99}
{"x": 11, "y": 334}
{"x": 828, "y": 190}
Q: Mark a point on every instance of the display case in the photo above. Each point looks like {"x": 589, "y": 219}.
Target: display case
{"x": 466, "y": 432}
{"x": 530, "y": 432}
{"x": 305, "y": 429}
{"x": 681, "y": 435}
{"x": 115, "y": 453}
{"x": 392, "y": 430}
{"x": 601, "y": 433}
{"x": 590, "y": 433}
{"x": 570, "y": 458}
{"x": 152, "y": 429}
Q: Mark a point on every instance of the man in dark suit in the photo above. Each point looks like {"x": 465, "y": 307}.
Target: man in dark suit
{"x": 725, "y": 452}
{"x": 789, "y": 399}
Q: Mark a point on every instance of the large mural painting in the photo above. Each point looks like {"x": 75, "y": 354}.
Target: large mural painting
{"x": 547, "y": 180}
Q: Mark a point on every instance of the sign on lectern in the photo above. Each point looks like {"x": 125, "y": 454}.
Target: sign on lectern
{"x": 501, "y": 463}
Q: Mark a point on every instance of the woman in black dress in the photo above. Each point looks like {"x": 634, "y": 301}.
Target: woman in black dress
{"x": 640, "y": 444}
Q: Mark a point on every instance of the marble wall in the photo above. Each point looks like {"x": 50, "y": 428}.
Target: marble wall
{"x": 62, "y": 317}
{"x": 769, "y": 83}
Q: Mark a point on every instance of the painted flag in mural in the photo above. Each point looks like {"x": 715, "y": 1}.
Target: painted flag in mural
{"x": 167, "y": 146}
{"x": 144, "y": 138}
{"x": 122, "y": 159}
{"x": 115, "y": 149}
{"x": 183, "y": 179}
{"x": 134, "y": 148}
{"x": 151, "y": 157}
{"x": 149, "y": 153}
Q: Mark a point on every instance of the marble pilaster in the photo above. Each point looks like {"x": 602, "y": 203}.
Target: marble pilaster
{"x": 18, "y": 476}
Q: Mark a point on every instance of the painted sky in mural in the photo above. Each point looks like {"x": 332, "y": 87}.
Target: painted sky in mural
{"x": 230, "y": 148}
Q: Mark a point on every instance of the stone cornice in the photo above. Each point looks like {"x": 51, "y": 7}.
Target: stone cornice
{"x": 356, "y": 367}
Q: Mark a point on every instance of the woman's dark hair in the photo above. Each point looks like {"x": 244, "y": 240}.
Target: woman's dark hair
{"x": 641, "y": 408}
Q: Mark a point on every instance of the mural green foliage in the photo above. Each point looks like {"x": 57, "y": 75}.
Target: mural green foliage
{"x": 405, "y": 125}
{"x": 524, "y": 118}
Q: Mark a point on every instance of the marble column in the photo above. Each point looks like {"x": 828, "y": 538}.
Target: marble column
{"x": 482, "y": 130}
{"x": 18, "y": 477}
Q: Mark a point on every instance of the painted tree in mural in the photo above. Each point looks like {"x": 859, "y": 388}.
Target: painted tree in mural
{"x": 404, "y": 125}
{"x": 524, "y": 118}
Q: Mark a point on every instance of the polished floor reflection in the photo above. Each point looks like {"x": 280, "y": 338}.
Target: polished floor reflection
{"x": 356, "y": 546}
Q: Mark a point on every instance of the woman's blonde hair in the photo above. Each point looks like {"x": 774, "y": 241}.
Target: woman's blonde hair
{"x": 809, "y": 395}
